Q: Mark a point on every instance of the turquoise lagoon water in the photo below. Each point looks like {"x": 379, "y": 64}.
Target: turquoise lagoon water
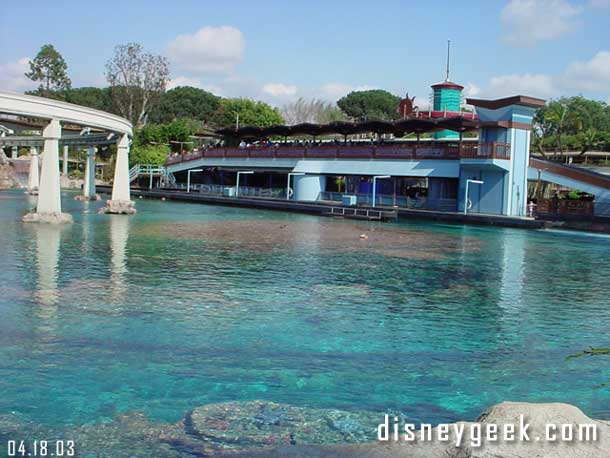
{"x": 184, "y": 305}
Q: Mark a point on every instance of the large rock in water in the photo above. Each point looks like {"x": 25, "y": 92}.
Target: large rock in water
{"x": 264, "y": 424}
{"x": 8, "y": 178}
{"x": 537, "y": 415}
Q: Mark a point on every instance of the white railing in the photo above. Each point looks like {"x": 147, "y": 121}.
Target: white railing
{"x": 356, "y": 212}
{"x": 146, "y": 169}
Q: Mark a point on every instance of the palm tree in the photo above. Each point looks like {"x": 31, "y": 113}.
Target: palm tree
{"x": 559, "y": 114}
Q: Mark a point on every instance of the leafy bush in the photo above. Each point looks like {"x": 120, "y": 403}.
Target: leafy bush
{"x": 148, "y": 154}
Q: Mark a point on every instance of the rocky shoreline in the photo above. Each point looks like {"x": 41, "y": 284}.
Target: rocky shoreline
{"x": 266, "y": 429}
{"x": 8, "y": 179}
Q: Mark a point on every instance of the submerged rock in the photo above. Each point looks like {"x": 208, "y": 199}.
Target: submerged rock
{"x": 258, "y": 429}
{"x": 118, "y": 207}
{"x": 48, "y": 218}
{"x": 262, "y": 423}
{"x": 536, "y": 415}
{"x": 81, "y": 197}
{"x": 264, "y": 235}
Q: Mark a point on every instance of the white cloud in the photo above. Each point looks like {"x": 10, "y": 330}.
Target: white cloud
{"x": 214, "y": 89}
{"x": 592, "y": 75}
{"x": 536, "y": 85}
{"x": 530, "y": 21}
{"x": 471, "y": 90}
{"x": 183, "y": 81}
{"x": 279, "y": 90}
{"x": 210, "y": 50}
{"x": 422, "y": 103}
{"x": 334, "y": 91}
{"x": 12, "y": 76}
{"x": 194, "y": 82}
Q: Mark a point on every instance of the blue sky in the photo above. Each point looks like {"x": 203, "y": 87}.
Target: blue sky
{"x": 280, "y": 50}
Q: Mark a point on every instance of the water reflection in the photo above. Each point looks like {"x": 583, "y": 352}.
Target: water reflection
{"x": 119, "y": 234}
{"x": 512, "y": 259}
{"x": 47, "y": 237}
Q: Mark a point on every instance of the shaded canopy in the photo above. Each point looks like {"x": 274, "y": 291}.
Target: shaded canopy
{"x": 399, "y": 128}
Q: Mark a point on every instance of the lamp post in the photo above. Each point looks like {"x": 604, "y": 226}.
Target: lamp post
{"x": 539, "y": 182}
{"x": 466, "y": 194}
{"x": 291, "y": 174}
{"x": 188, "y": 178}
{"x": 375, "y": 178}
{"x": 249, "y": 172}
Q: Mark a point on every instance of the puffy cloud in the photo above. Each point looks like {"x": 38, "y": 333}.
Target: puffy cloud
{"x": 530, "y": 21}
{"x": 194, "y": 82}
{"x": 471, "y": 90}
{"x": 183, "y": 81}
{"x": 12, "y": 76}
{"x": 334, "y": 91}
{"x": 214, "y": 89}
{"x": 591, "y": 75}
{"x": 210, "y": 50}
{"x": 279, "y": 90}
{"x": 599, "y": 3}
{"x": 536, "y": 85}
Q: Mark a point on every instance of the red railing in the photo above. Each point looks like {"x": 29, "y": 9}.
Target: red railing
{"x": 489, "y": 150}
{"x": 565, "y": 207}
{"x": 492, "y": 150}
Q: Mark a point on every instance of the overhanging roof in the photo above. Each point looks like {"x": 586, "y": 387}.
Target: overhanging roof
{"x": 523, "y": 100}
{"x": 408, "y": 125}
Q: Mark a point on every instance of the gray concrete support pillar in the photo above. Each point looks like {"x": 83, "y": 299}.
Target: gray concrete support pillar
{"x": 121, "y": 202}
{"x": 33, "y": 176}
{"x": 89, "y": 186}
{"x": 48, "y": 209}
{"x": 64, "y": 163}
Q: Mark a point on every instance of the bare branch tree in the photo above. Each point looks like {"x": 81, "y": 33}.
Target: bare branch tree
{"x": 314, "y": 110}
{"x": 137, "y": 80}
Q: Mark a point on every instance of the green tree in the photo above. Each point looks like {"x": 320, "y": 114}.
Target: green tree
{"x": 185, "y": 102}
{"x": 92, "y": 97}
{"x": 251, "y": 113}
{"x": 368, "y": 105}
{"x": 50, "y": 68}
{"x": 148, "y": 154}
{"x": 151, "y": 134}
{"x": 176, "y": 135}
{"x": 180, "y": 130}
{"x": 573, "y": 123}
{"x": 559, "y": 115}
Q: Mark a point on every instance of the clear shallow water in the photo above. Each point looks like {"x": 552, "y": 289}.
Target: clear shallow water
{"x": 184, "y": 305}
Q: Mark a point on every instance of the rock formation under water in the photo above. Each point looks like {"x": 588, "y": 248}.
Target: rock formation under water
{"x": 258, "y": 429}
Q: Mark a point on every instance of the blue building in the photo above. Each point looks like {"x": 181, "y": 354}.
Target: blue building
{"x": 488, "y": 174}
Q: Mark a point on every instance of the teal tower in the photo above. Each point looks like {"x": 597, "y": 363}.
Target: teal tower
{"x": 447, "y": 100}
